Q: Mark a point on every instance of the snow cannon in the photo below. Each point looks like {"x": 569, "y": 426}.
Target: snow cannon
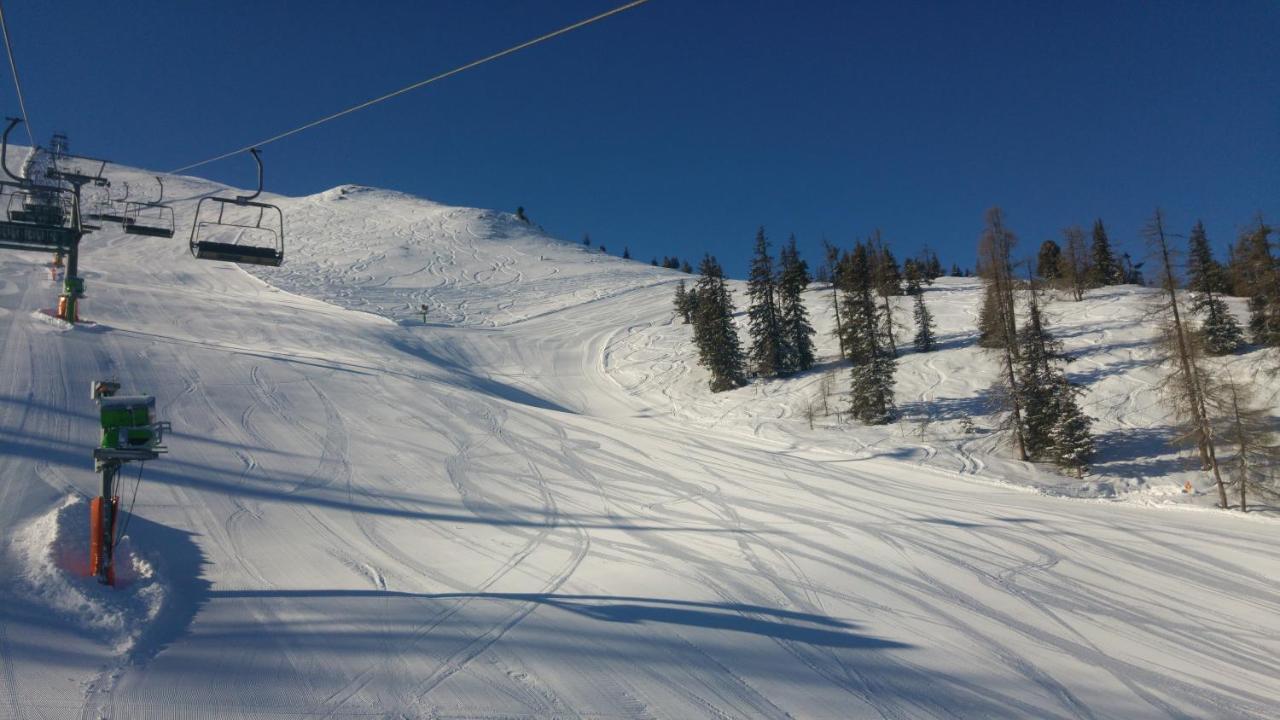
{"x": 130, "y": 432}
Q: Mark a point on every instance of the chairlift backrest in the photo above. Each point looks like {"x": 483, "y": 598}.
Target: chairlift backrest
{"x": 154, "y": 219}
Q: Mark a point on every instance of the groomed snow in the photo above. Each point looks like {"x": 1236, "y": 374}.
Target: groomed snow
{"x": 529, "y": 506}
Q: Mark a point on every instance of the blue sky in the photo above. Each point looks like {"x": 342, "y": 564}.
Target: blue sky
{"x": 680, "y": 126}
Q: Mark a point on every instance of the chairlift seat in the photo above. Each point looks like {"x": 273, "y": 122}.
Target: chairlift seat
{"x": 132, "y": 227}
{"x": 26, "y": 236}
{"x": 248, "y": 254}
{"x": 38, "y": 216}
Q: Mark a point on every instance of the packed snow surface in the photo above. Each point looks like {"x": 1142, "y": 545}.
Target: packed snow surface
{"x": 528, "y": 506}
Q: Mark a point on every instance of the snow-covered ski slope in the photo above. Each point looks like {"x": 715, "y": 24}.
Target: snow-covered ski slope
{"x": 529, "y": 506}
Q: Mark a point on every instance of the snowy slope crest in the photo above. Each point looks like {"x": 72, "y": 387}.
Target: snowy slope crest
{"x": 53, "y": 554}
{"x": 390, "y": 254}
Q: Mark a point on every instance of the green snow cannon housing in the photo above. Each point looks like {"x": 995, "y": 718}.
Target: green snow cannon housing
{"x": 129, "y": 423}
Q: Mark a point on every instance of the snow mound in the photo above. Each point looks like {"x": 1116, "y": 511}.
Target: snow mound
{"x": 53, "y": 555}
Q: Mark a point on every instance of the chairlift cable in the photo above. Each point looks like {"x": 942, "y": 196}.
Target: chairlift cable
{"x": 22, "y": 103}
{"x": 415, "y": 86}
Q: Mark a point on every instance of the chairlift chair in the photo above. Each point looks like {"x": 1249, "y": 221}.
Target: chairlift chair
{"x": 109, "y": 209}
{"x": 36, "y": 217}
{"x": 223, "y": 230}
{"x": 153, "y": 219}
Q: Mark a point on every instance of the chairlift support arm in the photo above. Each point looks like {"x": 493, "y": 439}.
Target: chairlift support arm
{"x": 4, "y": 148}
{"x": 258, "y": 159}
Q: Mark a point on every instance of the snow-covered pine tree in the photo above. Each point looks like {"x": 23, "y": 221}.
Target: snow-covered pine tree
{"x": 1105, "y": 270}
{"x": 764, "y": 322}
{"x": 924, "y": 340}
{"x": 871, "y": 389}
{"x": 796, "y": 329}
{"x": 714, "y": 331}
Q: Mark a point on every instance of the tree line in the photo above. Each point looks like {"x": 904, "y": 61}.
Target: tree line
{"x": 1211, "y": 407}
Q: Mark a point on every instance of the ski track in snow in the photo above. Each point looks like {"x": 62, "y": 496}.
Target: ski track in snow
{"x": 529, "y": 506}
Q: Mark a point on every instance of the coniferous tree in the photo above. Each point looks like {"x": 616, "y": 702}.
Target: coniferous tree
{"x": 912, "y": 276}
{"x": 1105, "y": 269}
{"x": 924, "y": 340}
{"x": 887, "y": 279}
{"x": 1219, "y": 331}
{"x": 586, "y": 239}
{"x": 1131, "y": 271}
{"x": 871, "y": 391}
{"x": 835, "y": 262}
{"x": 997, "y": 323}
{"x": 654, "y": 261}
{"x": 1072, "y": 436}
{"x": 686, "y": 302}
{"x": 1074, "y": 262}
{"x": 626, "y": 253}
{"x": 955, "y": 270}
{"x": 1187, "y": 383}
{"x": 714, "y": 331}
{"x": 930, "y": 264}
{"x": 1204, "y": 273}
{"x": 1049, "y": 261}
{"x": 685, "y": 267}
{"x": 1256, "y": 275}
{"x": 797, "y": 332}
{"x": 1248, "y": 428}
{"x": 764, "y": 322}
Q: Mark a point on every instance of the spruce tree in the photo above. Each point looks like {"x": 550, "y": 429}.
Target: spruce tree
{"x": 924, "y": 340}
{"x": 871, "y": 391}
{"x": 714, "y": 331}
{"x": 686, "y": 302}
{"x": 1054, "y": 426}
{"x": 797, "y": 332}
{"x": 1256, "y": 275}
{"x": 1204, "y": 273}
{"x": 1049, "y": 261}
{"x": 1105, "y": 270}
{"x": 912, "y": 276}
{"x": 686, "y": 268}
{"x": 1072, "y": 437}
{"x": 764, "y": 322}
{"x": 1219, "y": 332}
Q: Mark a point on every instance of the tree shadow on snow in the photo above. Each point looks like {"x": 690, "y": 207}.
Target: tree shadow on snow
{"x": 1138, "y": 452}
{"x": 776, "y": 623}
